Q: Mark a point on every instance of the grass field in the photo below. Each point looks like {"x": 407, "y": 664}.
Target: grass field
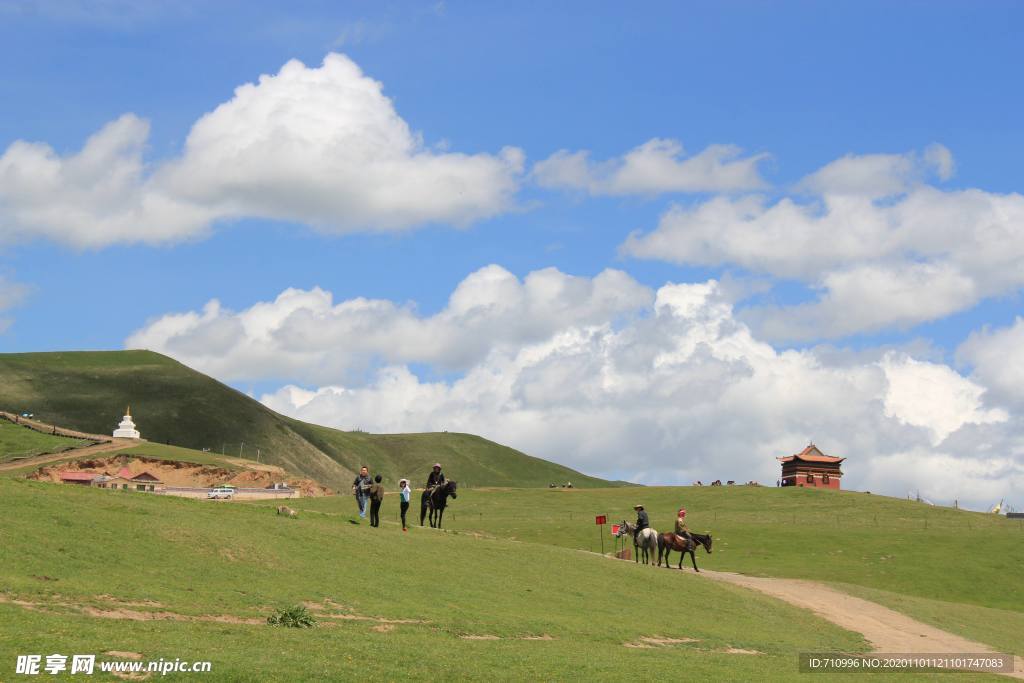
{"x": 954, "y": 569}
{"x": 74, "y": 551}
{"x": 173, "y": 404}
{"x": 18, "y": 442}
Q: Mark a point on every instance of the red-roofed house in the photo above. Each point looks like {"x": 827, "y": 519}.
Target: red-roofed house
{"x": 811, "y": 467}
{"x": 80, "y": 478}
{"x": 125, "y": 481}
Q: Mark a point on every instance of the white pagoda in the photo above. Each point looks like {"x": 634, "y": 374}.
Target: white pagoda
{"x": 127, "y": 430}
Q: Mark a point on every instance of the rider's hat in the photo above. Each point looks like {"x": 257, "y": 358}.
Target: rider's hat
{"x": 638, "y": 507}
{"x": 682, "y": 512}
{"x": 437, "y": 464}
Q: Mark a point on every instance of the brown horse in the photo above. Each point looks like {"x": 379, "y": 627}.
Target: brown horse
{"x": 669, "y": 542}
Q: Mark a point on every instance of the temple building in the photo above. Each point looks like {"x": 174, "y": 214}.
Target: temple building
{"x": 811, "y": 467}
{"x": 127, "y": 430}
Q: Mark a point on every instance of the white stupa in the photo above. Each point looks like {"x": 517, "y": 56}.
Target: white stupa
{"x": 127, "y": 430}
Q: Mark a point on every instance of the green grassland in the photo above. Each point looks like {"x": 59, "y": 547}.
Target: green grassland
{"x": 952, "y": 568}
{"x": 17, "y": 441}
{"x": 65, "y": 548}
{"x": 173, "y": 404}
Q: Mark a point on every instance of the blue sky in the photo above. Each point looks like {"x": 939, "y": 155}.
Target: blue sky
{"x": 805, "y": 84}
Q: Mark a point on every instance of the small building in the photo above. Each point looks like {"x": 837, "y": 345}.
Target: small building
{"x": 79, "y": 478}
{"x": 125, "y": 481}
{"x": 811, "y": 468}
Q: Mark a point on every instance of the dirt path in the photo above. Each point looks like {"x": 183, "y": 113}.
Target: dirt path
{"x": 87, "y": 451}
{"x": 52, "y": 429}
{"x": 886, "y": 629}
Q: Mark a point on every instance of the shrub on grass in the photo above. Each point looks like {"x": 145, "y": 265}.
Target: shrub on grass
{"x": 295, "y": 616}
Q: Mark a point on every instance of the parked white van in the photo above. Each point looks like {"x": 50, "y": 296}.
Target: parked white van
{"x": 220, "y": 492}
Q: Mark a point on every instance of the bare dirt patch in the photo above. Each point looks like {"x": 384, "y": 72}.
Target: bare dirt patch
{"x": 480, "y": 637}
{"x": 123, "y": 655}
{"x": 540, "y": 637}
{"x": 127, "y": 603}
{"x": 658, "y": 640}
{"x": 383, "y": 628}
{"x": 742, "y": 651}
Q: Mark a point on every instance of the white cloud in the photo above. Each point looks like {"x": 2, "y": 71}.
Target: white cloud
{"x": 934, "y": 397}
{"x": 655, "y": 167}
{"x": 322, "y": 146}
{"x": 883, "y": 247}
{"x": 606, "y": 376}
{"x": 997, "y": 359}
{"x": 305, "y": 334}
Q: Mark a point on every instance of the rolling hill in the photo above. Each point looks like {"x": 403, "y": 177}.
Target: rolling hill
{"x": 174, "y": 404}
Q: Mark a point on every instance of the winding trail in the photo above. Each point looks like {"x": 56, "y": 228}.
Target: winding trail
{"x": 86, "y": 451}
{"x": 886, "y": 629}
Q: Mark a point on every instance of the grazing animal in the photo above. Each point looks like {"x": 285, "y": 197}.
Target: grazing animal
{"x": 647, "y": 541}
{"x": 286, "y": 511}
{"x": 435, "y": 501}
{"x": 716, "y": 482}
{"x": 730, "y": 482}
{"x": 669, "y": 542}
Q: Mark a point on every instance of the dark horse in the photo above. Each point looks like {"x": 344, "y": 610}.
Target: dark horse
{"x": 669, "y": 542}
{"x": 436, "y": 501}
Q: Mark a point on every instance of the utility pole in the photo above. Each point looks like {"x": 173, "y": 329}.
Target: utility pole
{"x": 240, "y": 447}
{"x": 257, "y": 455}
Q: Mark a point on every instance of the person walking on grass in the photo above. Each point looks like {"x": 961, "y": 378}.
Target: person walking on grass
{"x": 404, "y": 493}
{"x": 376, "y": 498}
{"x": 361, "y": 489}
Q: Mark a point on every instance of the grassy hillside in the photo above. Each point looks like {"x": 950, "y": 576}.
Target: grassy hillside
{"x": 957, "y": 570}
{"x": 402, "y": 604}
{"x": 174, "y": 404}
{"x": 18, "y": 442}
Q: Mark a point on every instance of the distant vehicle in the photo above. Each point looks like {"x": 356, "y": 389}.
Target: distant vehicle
{"x": 28, "y": 414}
{"x": 220, "y": 492}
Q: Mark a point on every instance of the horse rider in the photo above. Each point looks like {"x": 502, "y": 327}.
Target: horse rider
{"x": 683, "y": 531}
{"x": 435, "y": 478}
{"x": 642, "y": 522}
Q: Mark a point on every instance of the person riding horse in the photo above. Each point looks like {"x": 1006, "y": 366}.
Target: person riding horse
{"x": 435, "y": 478}
{"x": 683, "y": 531}
{"x": 642, "y": 522}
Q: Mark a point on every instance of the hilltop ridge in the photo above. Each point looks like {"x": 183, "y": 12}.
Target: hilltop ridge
{"x": 174, "y": 404}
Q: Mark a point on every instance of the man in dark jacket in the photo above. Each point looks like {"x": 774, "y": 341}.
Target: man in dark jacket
{"x": 436, "y": 477}
{"x": 376, "y": 498}
{"x": 642, "y": 522}
{"x": 361, "y": 488}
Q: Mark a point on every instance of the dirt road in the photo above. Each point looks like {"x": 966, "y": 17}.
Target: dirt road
{"x": 886, "y": 629}
{"x": 52, "y": 429}
{"x": 87, "y": 451}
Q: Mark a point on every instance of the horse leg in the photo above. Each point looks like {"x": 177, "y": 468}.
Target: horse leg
{"x": 693, "y": 558}
{"x": 440, "y": 514}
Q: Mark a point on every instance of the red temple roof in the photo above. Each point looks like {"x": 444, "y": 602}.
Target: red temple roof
{"x": 811, "y": 454}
